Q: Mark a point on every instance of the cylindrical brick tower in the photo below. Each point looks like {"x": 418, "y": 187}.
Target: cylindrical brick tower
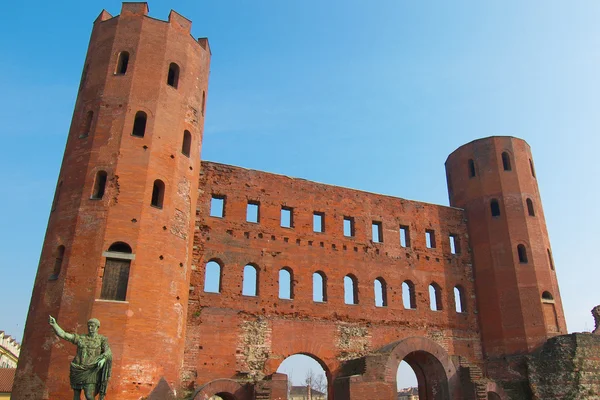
{"x": 119, "y": 241}
{"x": 518, "y": 299}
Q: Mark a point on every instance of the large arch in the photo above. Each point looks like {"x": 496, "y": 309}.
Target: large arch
{"x": 322, "y": 364}
{"x": 436, "y": 373}
{"x": 227, "y": 389}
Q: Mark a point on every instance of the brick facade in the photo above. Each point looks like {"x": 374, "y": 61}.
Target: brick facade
{"x": 167, "y": 328}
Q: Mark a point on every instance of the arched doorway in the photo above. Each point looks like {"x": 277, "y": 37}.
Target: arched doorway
{"x": 223, "y": 389}
{"x": 307, "y": 376}
{"x": 436, "y": 375}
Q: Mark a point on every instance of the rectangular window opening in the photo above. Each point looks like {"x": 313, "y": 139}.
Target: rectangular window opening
{"x": 318, "y": 222}
{"x": 404, "y": 236}
{"x": 454, "y": 244}
{"x": 377, "y": 231}
{"x": 217, "y": 206}
{"x": 349, "y": 226}
{"x": 287, "y": 217}
{"x": 430, "y": 238}
{"x": 252, "y": 212}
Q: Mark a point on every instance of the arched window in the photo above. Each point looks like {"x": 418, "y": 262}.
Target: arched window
{"x": 58, "y": 260}
{"x": 250, "y": 281}
{"x": 435, "y": 297}
{"x": 286, "y": 283}
{"x": 173, "y": 75}
{"x": 530, "y": 209}
{"x": 460, "y": 303}
{"x": 506, "y": 161}
{"x": 158, "y": 194}
{"x": 116, "y": 272}
{"x": 522, "y": 254}
{"x": 203, "y": 102}
{"x": 547, "y": 297}
{"x": 531, "y": 167}
{"x": 87, "y": 126}
{"x": 495, "y": 208}
{"x": 550, "y": 260}
{"x": 471, "y": 168}
{"x": 187, "y": 143}
{"x": 350, "y": 289}
{"x": 319, "y": 287}
{"x": 122, "y": 62}
{"x": 212, "y": 277}
{"x": 409, "y": 299}
{"x": 139, "y": 124}
{"x": 99, "y": 185}
{"x": 380, "y": 287}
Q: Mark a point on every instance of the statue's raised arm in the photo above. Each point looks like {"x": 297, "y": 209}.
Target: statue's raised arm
{"x": 59, "y": 331}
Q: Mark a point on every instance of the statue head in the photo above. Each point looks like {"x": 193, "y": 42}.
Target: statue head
{"x": 596, "y": 314}
{"x": 93, "y": 325}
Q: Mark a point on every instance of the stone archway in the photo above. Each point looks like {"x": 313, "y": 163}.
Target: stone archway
{"x": 436, "y": 373}
{"x": 227, "y": 389}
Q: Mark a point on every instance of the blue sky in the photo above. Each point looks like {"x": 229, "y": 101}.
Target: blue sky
{"x": 371, "y": 95}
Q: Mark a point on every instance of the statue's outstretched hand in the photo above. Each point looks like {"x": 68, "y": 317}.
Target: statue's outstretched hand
{"x": 101, "y": 362}
{"x": 51, "y": 320}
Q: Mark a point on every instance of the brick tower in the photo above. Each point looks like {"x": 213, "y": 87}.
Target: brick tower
{"x": 119, "y": 241}
{"x": 518, "y": 299}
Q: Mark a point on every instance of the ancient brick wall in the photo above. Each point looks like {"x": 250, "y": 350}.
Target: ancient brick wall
{"x": 232, "y": 335}
{"x": 567, "y": 368}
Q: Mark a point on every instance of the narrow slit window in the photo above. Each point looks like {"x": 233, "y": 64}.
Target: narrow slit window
{"x": 459, "y": 299}
{"x": 212, "y": 277}
{"x": 87, "y": 126}
{"x": 173, "y": 75}
{"x": 99, "y": 185}
{"x": 116, "y": 274}
{"x": 56, "y": 196}
{"x": 530, "y": 209}
{"x": 377, "y": 231}
{"x": 454, "y": 244}
{"x": 318, "y": 222}
{"x": 531, "y": 167}
{"x": 471, "y": 168}
{"x": 122, "y": 63}
{"x": 430, "y": 238}
{"x": 409, "y": 299}
{"x": 319, "y": 287}
{"x": 217, "y": 206}
{"x": 58, "y": 260}
{"x": 186, "y": 145}
{"x": 250, "y": 281}
{"x": 203, "y": 102}
{"x": 349, "y": 227}
{"x": 253, "y": 212}
{"x": 550, "y": 260}
{"x": 495, "y": 208}
{"x": 287, "y": 217}
{"x": 158, "y": 194}
{"x": 522, "y": 252}
{"x": 506, "y": 161}
{"x": 286, "y": 284}
{"x": 380, "y": 288}
{"x": 139, "y": 124}
{"x": 350, "y": 289}
{"x": 404, "y": 236}
{"x": 435, "y": 297}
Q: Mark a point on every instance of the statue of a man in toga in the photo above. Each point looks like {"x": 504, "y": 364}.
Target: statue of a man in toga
{"x": 91, "y": 367}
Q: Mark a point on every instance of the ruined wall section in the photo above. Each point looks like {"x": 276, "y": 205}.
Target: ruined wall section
{"x": 231, "y": 335}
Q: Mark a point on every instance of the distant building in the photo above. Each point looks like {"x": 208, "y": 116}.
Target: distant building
{"x": 411, "y": 393}
{"x": 305, "y": 393}
{"x": 9, "y": 351}
{"x": 7, "y": 377}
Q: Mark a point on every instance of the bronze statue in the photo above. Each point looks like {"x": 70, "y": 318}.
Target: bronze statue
{"x": 596, "y": 314}
{"x": 91, "y": 367}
